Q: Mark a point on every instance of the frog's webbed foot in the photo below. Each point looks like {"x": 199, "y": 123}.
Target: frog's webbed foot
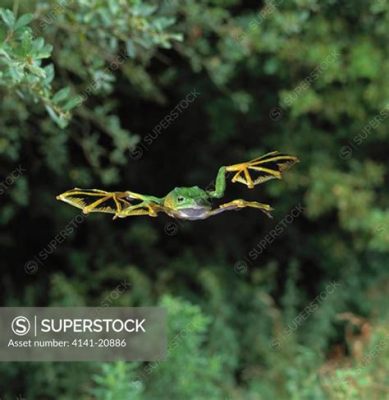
{"x": 143, "y": 208}
{"x": 239, "y": 204}
{"x": 261, "y": 169}
{"x": 94, "y": 200}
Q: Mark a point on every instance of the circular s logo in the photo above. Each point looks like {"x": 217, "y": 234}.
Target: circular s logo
{"x": 20, "y": 326}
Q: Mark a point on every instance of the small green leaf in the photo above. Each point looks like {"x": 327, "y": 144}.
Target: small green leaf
{"x": 49, "y": 71}
{"x": 61, "y": 95}
{"x": 72, "y": 103}
{"x": 39, "y": 43}
{"x": 26, "y": 41}
{"x": 8, "y": 17}
{"x": 131, "y": 50}
{"x": 52, "y": 113}
{"x": 60, "y": 121}
{"x": 37, "y": 70}
{"x": 45, "y": 52}
{"x": 24, "y": 20}
{"x": 4, "y": 54}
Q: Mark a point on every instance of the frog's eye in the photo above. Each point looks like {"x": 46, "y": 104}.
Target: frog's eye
{"x": 180, "y": 199}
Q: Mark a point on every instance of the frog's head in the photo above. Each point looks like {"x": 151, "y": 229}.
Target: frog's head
{"x": 187, "y": 198}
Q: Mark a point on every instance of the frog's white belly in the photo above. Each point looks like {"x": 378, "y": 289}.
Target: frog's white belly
{"x": 191, "y": 213}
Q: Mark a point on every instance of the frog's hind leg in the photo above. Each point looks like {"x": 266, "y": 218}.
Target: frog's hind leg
{"x": 239, "y": 204}
{"x": 261, "y": 169}
{"x": 95, "y": 200}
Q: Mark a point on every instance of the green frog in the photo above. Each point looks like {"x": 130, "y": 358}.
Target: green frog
{"x": 187, "y": 203}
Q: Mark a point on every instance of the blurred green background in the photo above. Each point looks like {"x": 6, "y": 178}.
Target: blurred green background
{"x": 289, "y": 308}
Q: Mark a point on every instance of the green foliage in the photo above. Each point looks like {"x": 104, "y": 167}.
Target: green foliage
{"x": 197, "y": 373}
{"x": 358, "y": 380}
{"x": 22, "y": 71}
{"x": 115, "y": 382}
{"x": 82, "y": 81}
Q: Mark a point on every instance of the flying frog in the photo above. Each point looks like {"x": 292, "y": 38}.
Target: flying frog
{"x": 188, "y": 203}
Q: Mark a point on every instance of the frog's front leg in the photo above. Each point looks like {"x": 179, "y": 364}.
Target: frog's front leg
{"x": 220, "y": 184}
{"x": 239, "y": 204}
{"x": 254, "y": 172}
{"x": 261, "y": 169}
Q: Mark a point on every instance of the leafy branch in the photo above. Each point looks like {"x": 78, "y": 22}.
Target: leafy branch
{"x": 22, "y": 69}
